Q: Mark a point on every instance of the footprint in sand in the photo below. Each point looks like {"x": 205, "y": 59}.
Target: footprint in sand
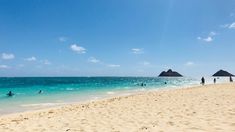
{"x": 144, "y": 128}
{"x": 170, "y": 123}
{"x": 232, "y": 124}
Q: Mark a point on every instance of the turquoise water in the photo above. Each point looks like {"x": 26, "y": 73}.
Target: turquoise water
{"x": 64, "y": 90}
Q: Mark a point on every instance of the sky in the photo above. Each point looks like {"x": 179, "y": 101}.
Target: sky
{"x": 116, "y": 37}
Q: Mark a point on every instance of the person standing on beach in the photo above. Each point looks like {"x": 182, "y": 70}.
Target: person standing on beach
{"x": 203, "y": 81}
{"x": 214, "y": 80}
{"x": 230, "y": 79}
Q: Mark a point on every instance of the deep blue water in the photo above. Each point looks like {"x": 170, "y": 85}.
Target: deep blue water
{"x": 60, "y": 90}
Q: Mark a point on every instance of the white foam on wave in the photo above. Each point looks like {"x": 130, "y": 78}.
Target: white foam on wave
{"x": 69, "y": 89}
{"x": 95, "y": 98}
{"x": 110, "y": 92}
{"x": 126, "y": 87}
{"x": 139, "y": 90}
{"x": 41, "y": 104}
{"x": 20, "y": 94}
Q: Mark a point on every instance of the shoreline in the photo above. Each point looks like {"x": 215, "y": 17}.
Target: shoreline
{"x": 111, "y": 97}
{"x": 116, "y": 94}
{"x": 170, "y": 105}
{"x": 35, "y": 106}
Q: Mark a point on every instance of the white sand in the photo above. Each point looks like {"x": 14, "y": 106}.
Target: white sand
{"x": 208, "y": 108}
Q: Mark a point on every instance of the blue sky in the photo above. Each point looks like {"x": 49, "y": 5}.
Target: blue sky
{"x": 116, "y": 37}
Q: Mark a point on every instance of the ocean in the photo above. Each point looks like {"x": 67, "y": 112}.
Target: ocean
{"x": 65, "y": 90}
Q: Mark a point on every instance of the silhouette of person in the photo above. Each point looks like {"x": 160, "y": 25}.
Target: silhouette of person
{"x": 142, "y": 84}
{"x": 203, "y": 81}
{"x": 214, "y": 80}
{"x": 10, "y": 94}
{"x": 230, "y": 79}
{"x": 40, "y": 91}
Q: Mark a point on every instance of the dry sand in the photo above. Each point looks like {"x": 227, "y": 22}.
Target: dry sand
{"x": 208, "y": 108}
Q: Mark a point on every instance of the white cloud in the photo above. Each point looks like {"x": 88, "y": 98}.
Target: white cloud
{"x": 9, "y": 56}
{"x": 212, "y": 33}
{"x": 146, "y": 63}
{"x": 46, "y": 62}
{"x": 31, "y": 58}
{"x": 189, "y": 63}
{"x": 78, "y": 49}
{"x": 208, "y": 39}
{"x": 4, "y": 67}
{"x": 224, "y": 26}
{"x": 63, "y": 39}
{"x": 113, "y": 65}
{"x": 93, "y": 60}
{"x": 232, "y": 26}
{"x": 229, "y": 26}
{"x": 137, "y": 51}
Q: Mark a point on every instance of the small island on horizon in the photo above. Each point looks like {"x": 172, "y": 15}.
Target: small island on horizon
{"x": 170, "y": 73}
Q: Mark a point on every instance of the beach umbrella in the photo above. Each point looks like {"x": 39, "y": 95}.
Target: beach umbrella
{"x": 222, "y": 73}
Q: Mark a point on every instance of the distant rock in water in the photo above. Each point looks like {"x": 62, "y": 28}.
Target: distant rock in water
{"x": 170, "y": 73}
{"x": 223, "y": 73}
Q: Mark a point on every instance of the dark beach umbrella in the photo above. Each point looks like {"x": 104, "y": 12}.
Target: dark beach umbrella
{"x": 222, "y": 73}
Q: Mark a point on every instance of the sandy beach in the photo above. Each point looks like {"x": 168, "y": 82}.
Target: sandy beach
{"x": 209, "y": 108}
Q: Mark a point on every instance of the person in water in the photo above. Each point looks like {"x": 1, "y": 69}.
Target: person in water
{"x": 10, "y": 94}
{"x": 203, "y": 81}
{"x": 214, "y": 80}
{"x": 142, "y": 84}
{"x": 40, "y": 91}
